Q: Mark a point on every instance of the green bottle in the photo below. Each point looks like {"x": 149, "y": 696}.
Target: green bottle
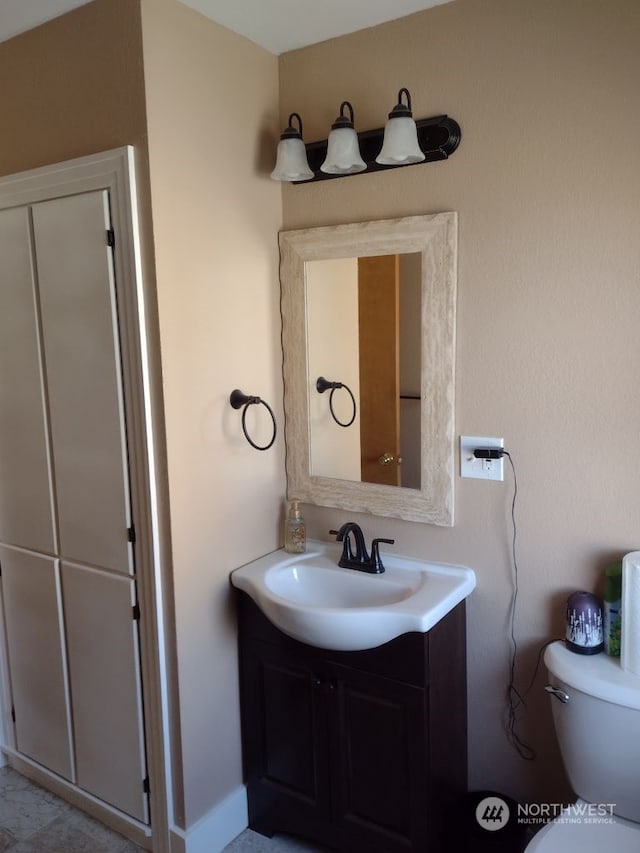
{"x": 612, "y": 597}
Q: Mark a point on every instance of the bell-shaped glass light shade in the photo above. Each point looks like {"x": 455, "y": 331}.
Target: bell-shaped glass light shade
{"x": 400, "y": 145}
{"x": 291, "y": 157}
{"x": 343, "y": 151}
{"x": 291, "y": 162}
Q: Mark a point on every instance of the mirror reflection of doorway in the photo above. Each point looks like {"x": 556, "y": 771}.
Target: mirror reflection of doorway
{"x": 364, "y": 317}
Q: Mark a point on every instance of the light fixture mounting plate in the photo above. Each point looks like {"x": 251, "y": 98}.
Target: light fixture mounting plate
{"x": 438, "y": 137}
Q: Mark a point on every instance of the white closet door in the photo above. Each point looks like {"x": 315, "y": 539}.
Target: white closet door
{"x": 102, "y": 651}
{"x": 25, "y": 499}
{"x": 82, "y": 355}
{"x": 31, "y": 594}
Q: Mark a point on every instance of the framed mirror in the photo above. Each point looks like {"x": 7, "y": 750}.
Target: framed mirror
{"x": 368, "y": 314}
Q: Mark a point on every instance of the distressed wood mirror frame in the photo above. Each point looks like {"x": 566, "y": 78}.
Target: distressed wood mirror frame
{"x": 435, "y": 238}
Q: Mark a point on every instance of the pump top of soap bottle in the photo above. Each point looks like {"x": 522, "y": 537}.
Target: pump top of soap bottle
{"x": 295, "y": 531}
{"x": 294, "y": 508}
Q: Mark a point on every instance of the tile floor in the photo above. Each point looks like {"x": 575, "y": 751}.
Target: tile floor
{"x": 33, "y": 820}
{"x": 253, "y": 842}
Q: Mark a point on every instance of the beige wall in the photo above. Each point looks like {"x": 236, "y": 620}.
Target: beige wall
{"x": 212, "y": 115}
{"x": 73, "y": 86}
{"x": 545, "y": 183}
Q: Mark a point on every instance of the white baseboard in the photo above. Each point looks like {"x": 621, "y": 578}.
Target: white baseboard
{"x": 215, "y": 830}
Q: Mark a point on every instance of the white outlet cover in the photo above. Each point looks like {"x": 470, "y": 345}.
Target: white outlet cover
{"x": 480, "y": 469}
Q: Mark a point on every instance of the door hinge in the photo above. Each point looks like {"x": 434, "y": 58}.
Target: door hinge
{"x": 131, "y": 534}
{"x": 111, "y": 237}
{"x": 136, "y": 612}
{"x": 145, "y": 785}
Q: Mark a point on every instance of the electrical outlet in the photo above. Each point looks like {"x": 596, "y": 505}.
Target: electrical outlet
{"x": 481, "y": 469}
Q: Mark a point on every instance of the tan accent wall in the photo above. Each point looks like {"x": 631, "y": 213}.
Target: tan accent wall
{"x": 212, "y": 108}
{"x": 73, "y": 86}
{"x": 545, "y": 183}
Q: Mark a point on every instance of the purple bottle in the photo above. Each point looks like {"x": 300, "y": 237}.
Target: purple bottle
{"x": 585, "y": 632}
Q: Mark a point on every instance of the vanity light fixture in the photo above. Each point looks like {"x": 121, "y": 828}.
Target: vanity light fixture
{"x": 343, "y": 151}
{"x": 291, "y": 159}
{"x": 402, "y": 142}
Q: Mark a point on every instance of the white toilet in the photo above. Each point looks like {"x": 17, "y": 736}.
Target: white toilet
{"x": 596, "y": 712}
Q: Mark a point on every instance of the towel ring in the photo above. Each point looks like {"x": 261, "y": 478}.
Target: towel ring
{"x": 323, "y": 385}
{"x": 238, "y": 400}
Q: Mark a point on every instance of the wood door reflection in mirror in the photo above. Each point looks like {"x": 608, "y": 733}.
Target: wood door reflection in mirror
{"x": 378, "y": 332}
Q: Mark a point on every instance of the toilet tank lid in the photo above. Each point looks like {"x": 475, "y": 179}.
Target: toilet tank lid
{"x": 597, "y": 675}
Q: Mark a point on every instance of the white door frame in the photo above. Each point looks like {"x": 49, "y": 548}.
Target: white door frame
{"x": 115, "y": 171}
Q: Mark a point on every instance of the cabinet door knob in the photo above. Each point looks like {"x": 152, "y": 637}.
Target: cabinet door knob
{"x": 328, "y": 685}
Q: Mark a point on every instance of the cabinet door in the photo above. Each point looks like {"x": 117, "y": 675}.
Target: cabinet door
{"x": 379, "y": 758}
{"x": 105, "y": 686}
{"x": 32, "y": 613}
{"x": 82, "y": 356}
{"x": 64, "y": 491}
{"x": 284, "y": 740}
{"x": 25, "y": 495}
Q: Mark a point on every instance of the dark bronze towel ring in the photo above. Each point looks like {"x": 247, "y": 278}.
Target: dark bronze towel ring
{"x": 323, "y": 385}
{"x": 238, "y": 400}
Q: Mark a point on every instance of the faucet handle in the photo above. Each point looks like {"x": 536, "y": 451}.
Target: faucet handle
{"x": 376, "y": 560}
{"x": 347, "y": 551}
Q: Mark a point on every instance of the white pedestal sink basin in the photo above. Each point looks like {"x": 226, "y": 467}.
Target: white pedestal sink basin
{"x": 310, "y": 598}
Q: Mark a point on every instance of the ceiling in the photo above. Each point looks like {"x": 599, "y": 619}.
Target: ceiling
{"x": 277, "y": 25}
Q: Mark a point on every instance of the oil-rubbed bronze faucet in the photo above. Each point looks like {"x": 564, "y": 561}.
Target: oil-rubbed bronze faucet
{"x": 351, "y": 536}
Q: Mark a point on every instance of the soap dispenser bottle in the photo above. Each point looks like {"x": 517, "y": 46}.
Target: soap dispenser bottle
{"x": 295, "y": 531}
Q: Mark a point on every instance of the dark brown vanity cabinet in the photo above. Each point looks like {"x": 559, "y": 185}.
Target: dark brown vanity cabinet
{"x": 358, "y": 751}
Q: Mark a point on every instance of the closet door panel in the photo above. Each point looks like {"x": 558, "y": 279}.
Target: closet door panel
{"x": 102, "y": 651}
{"x": 31, "y": 599}
{"x": 81, "y": 345}
{"x": 25, "y": 492}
